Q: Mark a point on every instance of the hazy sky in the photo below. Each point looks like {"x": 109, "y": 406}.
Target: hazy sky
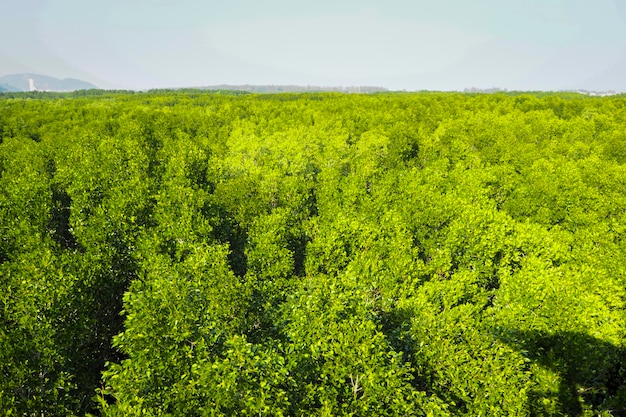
{"x": 398, "y": 44}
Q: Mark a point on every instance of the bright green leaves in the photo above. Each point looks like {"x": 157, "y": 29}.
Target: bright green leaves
{"x": 268, "y": 252}
{"x": 33, "y": 348}
{"x": 341, "y": 361}
{"x": 178, "y": 316}
{"x": 35, "y": 287}
{"x": 178, "y": 215}
{"x": 452, "y": 351}
{"x": 246, "y": 380}
{"x": 25, "y": 196}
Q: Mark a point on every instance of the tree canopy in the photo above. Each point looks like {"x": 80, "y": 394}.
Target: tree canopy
{"x": 195, "y": 253}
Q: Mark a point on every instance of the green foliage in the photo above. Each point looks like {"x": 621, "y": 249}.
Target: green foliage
{"x": 194, "y": 253}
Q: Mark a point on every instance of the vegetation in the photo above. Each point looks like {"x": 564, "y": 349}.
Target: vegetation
{"x": 192, "y": 253}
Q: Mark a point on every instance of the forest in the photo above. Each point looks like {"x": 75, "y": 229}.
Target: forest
{"x": 189, "y": 253}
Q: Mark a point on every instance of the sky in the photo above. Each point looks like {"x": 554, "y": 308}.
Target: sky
{"x": 397, "y": 44}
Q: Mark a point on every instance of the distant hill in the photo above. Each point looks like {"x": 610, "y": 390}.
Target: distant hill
{"x": 292, "y": 88}
{"x": 37, "y": 82}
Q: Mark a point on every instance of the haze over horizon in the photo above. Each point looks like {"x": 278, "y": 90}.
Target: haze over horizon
{"x": 395, "y": 44}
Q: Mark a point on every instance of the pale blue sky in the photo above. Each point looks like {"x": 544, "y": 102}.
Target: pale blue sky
{"x": 398, "y": 44}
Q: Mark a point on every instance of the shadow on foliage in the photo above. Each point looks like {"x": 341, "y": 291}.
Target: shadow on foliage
{"x": 227, "y": 230}
{"x": 592, "y": 372}
{"x": 91, "y": 317}
{"x": 396, "y": 326}
{"x": 59, "y": 221}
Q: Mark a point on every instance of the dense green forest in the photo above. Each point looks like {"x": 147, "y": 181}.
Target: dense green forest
{"x": 191, "y": 253}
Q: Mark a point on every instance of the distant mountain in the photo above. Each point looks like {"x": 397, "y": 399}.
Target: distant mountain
{"x": 7, "y": 88}
{"x": 37, "y": 82}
